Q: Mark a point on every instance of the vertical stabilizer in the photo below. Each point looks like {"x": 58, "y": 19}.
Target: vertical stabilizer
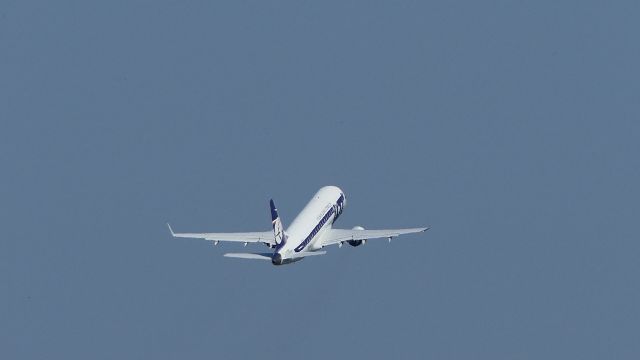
{"x": 278, "y": 228}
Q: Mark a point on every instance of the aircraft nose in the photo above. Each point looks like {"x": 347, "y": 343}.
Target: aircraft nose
{"x": 276, "y": 259}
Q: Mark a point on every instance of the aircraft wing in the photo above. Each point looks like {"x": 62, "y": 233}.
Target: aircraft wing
{"x": 335, "y": 236}
{"x": 265, "y": 237}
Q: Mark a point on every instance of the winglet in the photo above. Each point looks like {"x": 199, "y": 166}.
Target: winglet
{"x": 170, "y": 229}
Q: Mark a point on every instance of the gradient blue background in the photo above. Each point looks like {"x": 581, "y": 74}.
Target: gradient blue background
{"x": 510, "y": 127}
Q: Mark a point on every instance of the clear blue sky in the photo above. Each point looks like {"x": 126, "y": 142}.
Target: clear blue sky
{"x": 510, "y": 127}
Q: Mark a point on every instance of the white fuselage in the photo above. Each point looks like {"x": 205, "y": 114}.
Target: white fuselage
{"x": 307, "y": 228}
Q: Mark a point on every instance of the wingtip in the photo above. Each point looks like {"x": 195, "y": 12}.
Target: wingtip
{"x": 427, "y": 228}
{"x": 170, "y": 229}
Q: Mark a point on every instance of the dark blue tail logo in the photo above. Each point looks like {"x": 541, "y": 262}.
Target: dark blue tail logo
{"x": 338, "y": 208}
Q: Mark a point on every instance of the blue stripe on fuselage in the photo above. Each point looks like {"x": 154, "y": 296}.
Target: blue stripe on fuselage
{"x": 315, "y": 230}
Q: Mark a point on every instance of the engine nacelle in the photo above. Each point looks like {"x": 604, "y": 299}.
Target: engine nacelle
{"x": 355, "y": 243}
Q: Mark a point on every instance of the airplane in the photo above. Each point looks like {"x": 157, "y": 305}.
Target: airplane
{"x": 310, "y": 231}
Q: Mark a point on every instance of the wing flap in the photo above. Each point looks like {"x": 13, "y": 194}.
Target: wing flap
{"x": 249, "y": 237}
{"x": 335, "y": 236}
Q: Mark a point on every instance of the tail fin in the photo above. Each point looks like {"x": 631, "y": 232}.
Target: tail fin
{"x": 278, "y": 229}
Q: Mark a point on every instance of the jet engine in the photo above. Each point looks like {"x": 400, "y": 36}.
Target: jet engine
{"x": 357, "y": 242}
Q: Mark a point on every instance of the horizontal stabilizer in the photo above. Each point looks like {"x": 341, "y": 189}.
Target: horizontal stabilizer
{"x": 260, "y": 256}
{"x": 308, "y": 253}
